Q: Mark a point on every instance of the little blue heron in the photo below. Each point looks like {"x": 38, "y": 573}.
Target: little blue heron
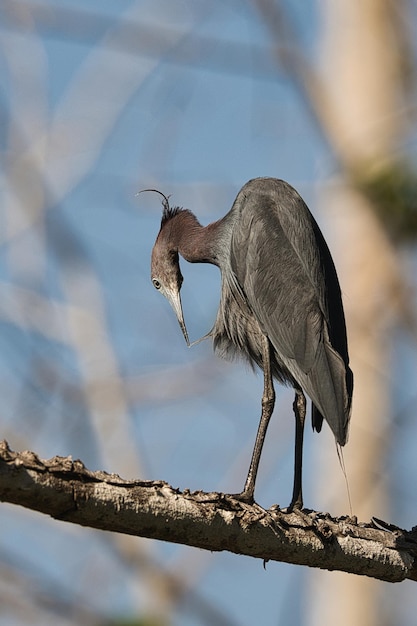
{"x": 280, "y": 305}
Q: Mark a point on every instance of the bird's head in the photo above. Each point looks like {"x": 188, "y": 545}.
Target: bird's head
{"x": 167, "y": 278}
{"x": 165, "y": 267}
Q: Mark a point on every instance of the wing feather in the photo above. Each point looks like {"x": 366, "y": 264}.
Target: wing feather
{"x": 285, "y": 270}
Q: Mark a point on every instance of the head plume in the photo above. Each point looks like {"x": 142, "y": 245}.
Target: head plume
{"x": 168, "y": 211}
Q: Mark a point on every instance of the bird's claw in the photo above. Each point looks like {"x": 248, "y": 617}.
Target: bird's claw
{"x": 243, "y": 496}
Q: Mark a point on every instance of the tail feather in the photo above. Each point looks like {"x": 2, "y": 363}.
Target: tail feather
{"x": 316, "y": 418}
{"x": 330, "y": 384}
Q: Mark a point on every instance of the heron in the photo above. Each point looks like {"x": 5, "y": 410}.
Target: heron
{"x": 280, "y": 305}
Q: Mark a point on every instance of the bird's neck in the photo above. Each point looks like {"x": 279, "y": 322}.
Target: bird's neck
{"x": 196, "y": 243}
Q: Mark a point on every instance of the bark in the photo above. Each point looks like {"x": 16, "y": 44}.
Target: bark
{"x": 67, "y": 491}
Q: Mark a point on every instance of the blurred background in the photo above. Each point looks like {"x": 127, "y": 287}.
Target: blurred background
{"x": 102, "y": 99}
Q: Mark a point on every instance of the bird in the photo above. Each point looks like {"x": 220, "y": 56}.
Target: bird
{"x": 280, "y": 306}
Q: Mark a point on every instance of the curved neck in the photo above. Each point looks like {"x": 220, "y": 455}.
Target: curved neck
{"x": 196, "y": 243}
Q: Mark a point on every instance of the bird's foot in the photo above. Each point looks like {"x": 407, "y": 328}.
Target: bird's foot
{"x": 244, "y": 496}
{"x": 295, "y": 506}
{"x": 303, "y": 514}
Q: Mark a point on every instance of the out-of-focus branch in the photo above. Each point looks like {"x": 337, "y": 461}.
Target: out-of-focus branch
{"x": 63, "y": 152}
{"x": 66, "y": 490}
{"x": 346, "y": 137}
{"x": 146, "y": 39}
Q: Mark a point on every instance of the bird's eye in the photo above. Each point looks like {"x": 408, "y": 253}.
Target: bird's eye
{"x": 156, "y": 283}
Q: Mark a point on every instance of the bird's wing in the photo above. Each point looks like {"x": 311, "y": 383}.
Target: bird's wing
{"x": 273, "y": 257}
{"x": 278, "y": 258}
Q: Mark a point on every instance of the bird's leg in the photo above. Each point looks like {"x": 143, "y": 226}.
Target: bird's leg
{"x": 299, "y": 407}
{"x": 268, "y": 401}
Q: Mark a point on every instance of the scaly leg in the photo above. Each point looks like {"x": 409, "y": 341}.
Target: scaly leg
{"x": 299, "y": 407}
{"x": 268, "y": 401}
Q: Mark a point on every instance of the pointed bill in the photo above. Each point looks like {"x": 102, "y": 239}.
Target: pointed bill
{"x": 174, "y": 298}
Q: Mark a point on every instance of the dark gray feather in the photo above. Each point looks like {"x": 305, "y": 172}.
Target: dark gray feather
{"x": 284, "y": 268}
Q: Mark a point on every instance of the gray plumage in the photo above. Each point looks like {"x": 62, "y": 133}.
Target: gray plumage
{"x": 280, "y": 305}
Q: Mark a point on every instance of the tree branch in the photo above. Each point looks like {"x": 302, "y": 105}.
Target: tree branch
{"x": 66, "y": 490}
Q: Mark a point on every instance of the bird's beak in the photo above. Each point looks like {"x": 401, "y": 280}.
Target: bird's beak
{"x": 174, "y": 298}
